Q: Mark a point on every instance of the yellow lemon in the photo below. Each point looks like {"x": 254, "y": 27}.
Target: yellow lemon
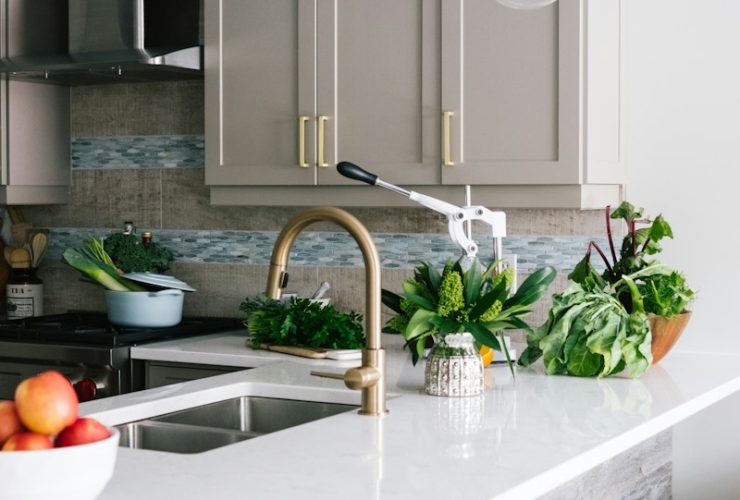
{"x": 487, "y": 354}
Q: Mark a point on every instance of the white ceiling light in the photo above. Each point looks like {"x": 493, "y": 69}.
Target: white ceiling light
{"x": 525, "y": 4}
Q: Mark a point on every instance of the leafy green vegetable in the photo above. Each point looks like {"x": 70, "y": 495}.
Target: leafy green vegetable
{"x": 131, "y": 255}
{"x": 301, "y": 322}
{"x": 453, "y": 301}
{"x": 666, "y": 295}
{"x": 662, "y": 291}
{"x": 589, "y": 333}
{"x": 94, "y": 249}
{"x": 599, "y": 325}
{"x": 98, "y": 270}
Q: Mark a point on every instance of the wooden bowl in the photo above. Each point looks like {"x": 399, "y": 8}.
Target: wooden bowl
{"x": 665, "y": 332}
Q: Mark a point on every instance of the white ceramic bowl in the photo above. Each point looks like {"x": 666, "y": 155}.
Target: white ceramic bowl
{"x": 145, "y": 309}
{"x": 69, "y": 473}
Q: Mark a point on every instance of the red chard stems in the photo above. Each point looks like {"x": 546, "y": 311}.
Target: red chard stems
{"x": 592, "y": 244}
{"x": 609, "y": 233}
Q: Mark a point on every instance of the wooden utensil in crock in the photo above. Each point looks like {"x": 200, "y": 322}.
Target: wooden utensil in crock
{"x": 666, "y": 331}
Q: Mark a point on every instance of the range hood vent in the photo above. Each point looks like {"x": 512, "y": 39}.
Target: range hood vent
{"x": 79, "y": 42}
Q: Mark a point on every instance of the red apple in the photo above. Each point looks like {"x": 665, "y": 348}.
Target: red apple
{"x": 28, "y": 441}
{"x": 84, "y": 430}
{"x": 10, "y": 423}
{"x": 46, "y": 403}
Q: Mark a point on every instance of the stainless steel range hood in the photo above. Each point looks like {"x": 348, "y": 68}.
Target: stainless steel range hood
{"x": 78, "y": 42}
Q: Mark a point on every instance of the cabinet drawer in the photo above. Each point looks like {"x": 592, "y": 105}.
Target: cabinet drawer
{"x": 159, "y": 373}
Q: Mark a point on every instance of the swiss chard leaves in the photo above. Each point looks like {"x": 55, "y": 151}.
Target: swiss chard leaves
{"x": 589, "y": 333}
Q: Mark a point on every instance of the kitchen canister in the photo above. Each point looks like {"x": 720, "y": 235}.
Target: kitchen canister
{"x": 24, "y": 294}
{"x": 454, "y": 367}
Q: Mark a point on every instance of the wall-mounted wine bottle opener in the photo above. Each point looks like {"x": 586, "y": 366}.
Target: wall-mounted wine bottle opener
{"x": 459, "y": 219}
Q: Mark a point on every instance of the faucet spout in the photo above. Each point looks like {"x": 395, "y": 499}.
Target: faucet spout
{"x": 370, "y": 378}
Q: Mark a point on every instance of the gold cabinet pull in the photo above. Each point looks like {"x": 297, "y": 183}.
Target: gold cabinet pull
{"x": 302, "y": 141}
{"x": 321, "y": 140}
{"x": 446, "y": 154}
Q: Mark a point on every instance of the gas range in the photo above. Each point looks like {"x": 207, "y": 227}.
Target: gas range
{"x": 91, "y": 352}
{"x": 93, "y": 329}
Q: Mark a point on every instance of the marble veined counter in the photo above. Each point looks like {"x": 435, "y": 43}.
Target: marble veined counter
{"x": 521, "y": 439}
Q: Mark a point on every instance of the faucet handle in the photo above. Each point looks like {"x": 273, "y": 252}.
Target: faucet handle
{"x": 319, "y": 373}
{"x": 354, "y": 378}
{"x": 361, "y": 377}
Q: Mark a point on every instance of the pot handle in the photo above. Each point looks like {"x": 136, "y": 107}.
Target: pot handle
{"x": 168, "y": 291}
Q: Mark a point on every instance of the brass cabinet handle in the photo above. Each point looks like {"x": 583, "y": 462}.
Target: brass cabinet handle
{"x": 302, "y": 141}
{"x": 446, "y": 154}
{"x": 322, "y": 139}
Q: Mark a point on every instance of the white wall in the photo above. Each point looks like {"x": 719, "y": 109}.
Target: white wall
{"x": 683, "y": 133}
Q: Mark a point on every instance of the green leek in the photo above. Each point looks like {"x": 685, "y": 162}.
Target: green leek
{"x": 99, "y": 272}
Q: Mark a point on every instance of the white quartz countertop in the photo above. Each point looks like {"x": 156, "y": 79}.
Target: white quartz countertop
{"x": 224, "y": 349}
{"x": 520, "y": 439}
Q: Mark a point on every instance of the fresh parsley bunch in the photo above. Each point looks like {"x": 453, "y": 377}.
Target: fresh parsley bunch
{"x": 302, "y": 323}
{"x": 438, "y": 303}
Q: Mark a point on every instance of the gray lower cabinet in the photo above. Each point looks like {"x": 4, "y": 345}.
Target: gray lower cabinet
{"x": 524, "y": 105}
{"x": 35, "y": 160}
{"x": 159, "y": 373}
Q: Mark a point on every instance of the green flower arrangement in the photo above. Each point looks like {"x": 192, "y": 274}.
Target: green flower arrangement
{"x": 435, "y": 304}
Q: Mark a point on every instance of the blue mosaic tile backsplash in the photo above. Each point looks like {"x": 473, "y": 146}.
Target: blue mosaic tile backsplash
{"x": 137, "y": 151}
{"x": 336, "y": 249}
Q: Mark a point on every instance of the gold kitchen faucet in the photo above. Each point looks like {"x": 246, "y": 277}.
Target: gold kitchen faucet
{"x": 370, "y": 377}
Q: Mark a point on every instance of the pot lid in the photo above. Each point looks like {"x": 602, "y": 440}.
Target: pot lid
{"x": 160, "y": 280}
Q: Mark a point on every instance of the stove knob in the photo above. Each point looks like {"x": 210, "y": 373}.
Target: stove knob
{"x": 86, "y": 389}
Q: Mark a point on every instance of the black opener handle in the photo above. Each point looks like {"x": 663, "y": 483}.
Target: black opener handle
{"x": 352, "y": 171}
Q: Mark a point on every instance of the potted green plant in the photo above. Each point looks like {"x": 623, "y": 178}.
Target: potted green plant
{"x": 628, "y": 316}
{"x": 456, "y": 308}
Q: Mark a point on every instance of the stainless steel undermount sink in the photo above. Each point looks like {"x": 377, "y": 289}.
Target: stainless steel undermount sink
{"x": 204, "y": 428}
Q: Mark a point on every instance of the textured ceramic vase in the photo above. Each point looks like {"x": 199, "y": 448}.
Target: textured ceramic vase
{"x": 454, "y": 367}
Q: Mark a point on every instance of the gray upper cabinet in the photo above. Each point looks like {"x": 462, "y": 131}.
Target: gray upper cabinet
{"x": 34, "y": 117}
{"x": 513, "y": 93}
{"x": 35, "y": 165}
{"x": 293, "y": 86}
{"x": 525, "y": 106}
{"x": 378, "y": 88}
{"x": 260, "y": 67}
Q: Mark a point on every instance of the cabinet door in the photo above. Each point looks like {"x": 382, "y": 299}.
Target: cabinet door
{"x": 160, "y": 373}
{"x": 510, "y": 81}
{"x": 379, "y": 88}
{"x": 35, "y": 143}
{"x": 259, "y": 78}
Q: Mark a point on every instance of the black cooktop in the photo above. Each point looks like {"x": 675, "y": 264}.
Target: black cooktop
{"x": 91, "y": 328}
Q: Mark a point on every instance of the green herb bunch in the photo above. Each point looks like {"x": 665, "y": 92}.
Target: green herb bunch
{"x": 132, "y": 256}
{"x": 302, "y": 323}
{"x": 599, "y": 326}
{"x": 438, "y": 303}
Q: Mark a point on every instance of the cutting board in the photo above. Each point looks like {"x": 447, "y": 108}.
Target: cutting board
{"x": 313, "y": 352}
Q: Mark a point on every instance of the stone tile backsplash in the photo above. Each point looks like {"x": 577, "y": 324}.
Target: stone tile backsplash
{"x": 138, "y": 151}
{"x": 336, "y": 249}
